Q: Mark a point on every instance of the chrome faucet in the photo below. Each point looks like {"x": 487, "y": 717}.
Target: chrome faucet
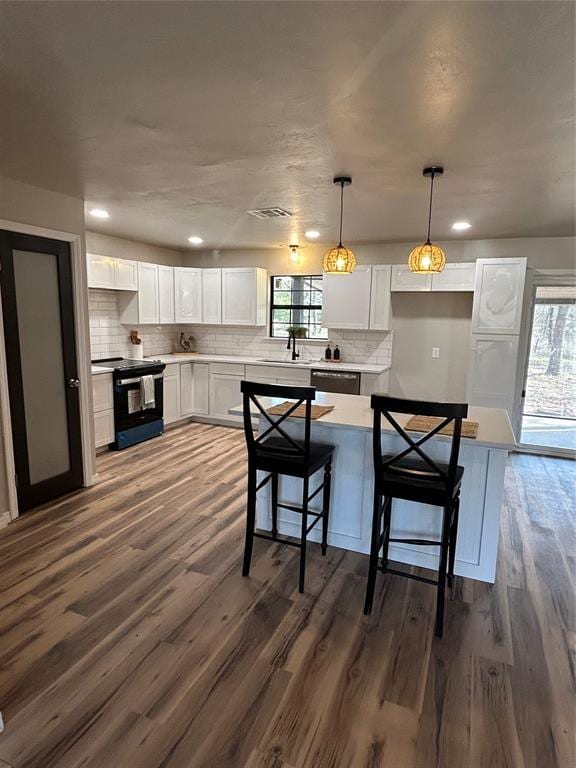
{"x": 292, "y": 338}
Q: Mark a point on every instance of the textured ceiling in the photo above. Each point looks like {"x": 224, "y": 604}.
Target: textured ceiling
{"x": 178, "y": 117}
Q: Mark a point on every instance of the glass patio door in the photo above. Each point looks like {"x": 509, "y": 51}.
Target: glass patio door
{"x": 549, "y": 397}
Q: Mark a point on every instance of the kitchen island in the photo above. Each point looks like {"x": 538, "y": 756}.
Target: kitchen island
{"x": 349, "y": 428}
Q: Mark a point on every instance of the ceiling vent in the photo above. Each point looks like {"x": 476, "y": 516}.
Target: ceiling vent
{"x": 270, "y": 213}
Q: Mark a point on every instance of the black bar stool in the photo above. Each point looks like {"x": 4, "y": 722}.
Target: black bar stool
{"x": 276, "y": 452}
{"x": 419, "y": 479}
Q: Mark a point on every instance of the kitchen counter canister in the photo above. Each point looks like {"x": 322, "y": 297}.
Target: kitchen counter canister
{"x": 349, "y": 428}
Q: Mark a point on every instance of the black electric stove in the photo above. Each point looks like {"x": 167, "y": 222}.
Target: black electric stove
{"x": 133, "y": 420}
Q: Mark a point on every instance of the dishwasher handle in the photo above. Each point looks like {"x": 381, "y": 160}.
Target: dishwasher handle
{"x": 330, "y": 375}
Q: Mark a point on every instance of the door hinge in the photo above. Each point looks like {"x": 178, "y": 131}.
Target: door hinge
{"x": 16, "y": 480}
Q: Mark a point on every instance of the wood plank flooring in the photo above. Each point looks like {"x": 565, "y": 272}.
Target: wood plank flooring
{"x": 129, "y": 639}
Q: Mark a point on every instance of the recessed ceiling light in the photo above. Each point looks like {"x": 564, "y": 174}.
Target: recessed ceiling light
{"x": 195, "y": 240}
{"x": 99, "y": 213}
{"x": 460, "y": 226}
{"x": 312, "y": 234}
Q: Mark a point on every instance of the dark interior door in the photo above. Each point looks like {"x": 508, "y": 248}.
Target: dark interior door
{"x": 38, "y": 307}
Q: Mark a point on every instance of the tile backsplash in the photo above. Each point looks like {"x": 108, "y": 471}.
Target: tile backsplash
{"x": 108, "y": 338}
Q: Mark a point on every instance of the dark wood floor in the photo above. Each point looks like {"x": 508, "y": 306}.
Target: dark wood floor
{"x": 128, "y": 638}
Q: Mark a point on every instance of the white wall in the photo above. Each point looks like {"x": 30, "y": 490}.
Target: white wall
{"x": 27, "y": 205}
{"x": 549, "y": 252}
{"x": 120, "y": 248}
{"x": 422, "y": 321}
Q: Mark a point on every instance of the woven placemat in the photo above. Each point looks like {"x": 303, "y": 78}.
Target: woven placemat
{"x": 300, "y": 412}
{"x": 426, "y": 423}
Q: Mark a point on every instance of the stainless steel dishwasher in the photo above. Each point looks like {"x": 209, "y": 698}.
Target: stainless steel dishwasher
{"x": 344, "y": 382}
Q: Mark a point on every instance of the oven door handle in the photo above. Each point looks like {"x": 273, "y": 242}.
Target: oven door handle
{"x": 123, "y": 382}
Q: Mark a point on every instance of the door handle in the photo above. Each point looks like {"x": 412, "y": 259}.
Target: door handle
{"x": 73, "y": 383}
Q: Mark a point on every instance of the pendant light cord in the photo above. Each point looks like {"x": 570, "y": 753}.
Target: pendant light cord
{"x": 430, "y": 207}
{"x": 341, "y": 211}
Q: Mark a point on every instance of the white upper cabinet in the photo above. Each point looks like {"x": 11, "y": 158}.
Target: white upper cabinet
{"x": 100, "y": 271}
{"x": 166, "y": 294}
{"x": 125, "y": 275}
{"x": 404, "y": 280}
{"x": 148, "y": 293}
{"x": 116, "y": 274}
{"x": 380, "y": 311}
{"x": 455, "y": 277}
{"x": 244, "y": 294}
{"x": 188, "y": 294}
{"x": 346, "y": 299}
{"x": 498, "y": 295}
{"x": 212, "y": 296}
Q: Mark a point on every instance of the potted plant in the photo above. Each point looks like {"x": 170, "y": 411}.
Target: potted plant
{"x": 298, "y": 331}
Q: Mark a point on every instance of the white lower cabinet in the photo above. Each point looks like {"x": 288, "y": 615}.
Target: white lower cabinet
{"x": 225, "y": 392}
{"x": 171, "y": 393}
{"x": 103, "y": 408}
{"x": 194, "y": 389}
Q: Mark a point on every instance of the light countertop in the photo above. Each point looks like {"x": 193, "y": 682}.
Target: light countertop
{"x": 241, "y": 360}
{"x": 353, "y": 411}
{"x": 98, "y": 369}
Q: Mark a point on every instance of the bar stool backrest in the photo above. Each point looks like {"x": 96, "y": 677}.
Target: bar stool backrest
{"x": 448, "y": 412}
{"x": 289, "y": 447}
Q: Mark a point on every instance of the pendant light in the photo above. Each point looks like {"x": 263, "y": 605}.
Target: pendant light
{"x": 428, "y": 258}
{"x": 340, "y": 260}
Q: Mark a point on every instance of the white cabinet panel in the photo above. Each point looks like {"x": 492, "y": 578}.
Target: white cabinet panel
{"x": 102, "y": 392}
{"x": 147, "y": 293}
{"x": 100, "y": 271}
{"x": 498, "y": 295}
{"x": 194, "y": 388}
{"x": 166, "y": 294}
{"x": 455, "y": 277}
{"x": 212, "y": 296}
{"x": 404, "y": 280}
{"x": 171, "y": 393}
{"x": 103, "y": 428}
{"x": 346, "y": 299}
{"x": 492, "y": 371}
{"x": 125, "y": 275}
{"x": 380, "y": 311}
{"x": 224, "y": 394}
{"x": 244, "y": 291}
{"x": 188, "y": 294}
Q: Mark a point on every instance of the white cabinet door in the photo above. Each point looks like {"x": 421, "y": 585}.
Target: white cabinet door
{"x": 244, "y": 292}
{"x": 102, "y": 392}
{"x": 346, "y": 299}
{"x": 455, "y": 277}
{"x": 492, "y": 371}
{"x": 166, "y": 294}
{"x": 194, "y": 388}
{"x": 188, "y": 294}
{"x": 212, "y": 296}
{"x": 125, "y": 275}
{"x": 404, "y": 280}
{"x": 100, "y": 271}
{"x": 103, "y": 428}
{"x": 380, "y": 312}
{"x": 171, "y": 393}
{"x": 147, "y": 293}
{"x": 498, "y": 295}
{"x": 224, "y": 394}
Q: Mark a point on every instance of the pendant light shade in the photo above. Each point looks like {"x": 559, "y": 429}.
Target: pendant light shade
{"x": 428, "y": 258}
{"x": 340, "y": 260}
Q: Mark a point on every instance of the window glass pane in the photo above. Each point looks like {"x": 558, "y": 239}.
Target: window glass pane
{"x": 297, "y": 301}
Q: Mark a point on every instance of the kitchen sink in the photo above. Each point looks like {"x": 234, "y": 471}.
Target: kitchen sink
{"x": 284, "y": 362}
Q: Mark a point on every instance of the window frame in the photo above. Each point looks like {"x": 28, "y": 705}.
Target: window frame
{"x": 292, "y": 307}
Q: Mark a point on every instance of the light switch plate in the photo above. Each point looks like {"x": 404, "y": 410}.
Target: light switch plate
{"x": 435, "y": 352}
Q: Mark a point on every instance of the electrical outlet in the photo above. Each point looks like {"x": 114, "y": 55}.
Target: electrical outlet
{"x": 435, "y": 352}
